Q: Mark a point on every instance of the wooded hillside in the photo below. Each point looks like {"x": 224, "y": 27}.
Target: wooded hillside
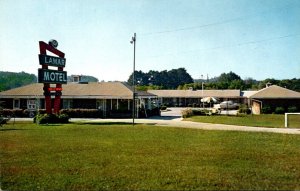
{"x": 9, "y": 80}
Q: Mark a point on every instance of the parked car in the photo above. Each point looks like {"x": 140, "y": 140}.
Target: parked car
{"x": 227, "y": 105}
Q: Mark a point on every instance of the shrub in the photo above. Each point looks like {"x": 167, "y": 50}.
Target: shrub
{"x": 3, "y": 120}
{"x": 244, "y": 109}
{"x": 292, "y": 109}
{"x": 51, "y": 118}
{"x": 198, "y": 112}
{"x": 279, "y": 110}
{"x": 6, "y": 112}
{"x": 207, "y": 112}
{"x": 19, "y": 112}
{"x": 63, "y": 118}
{"x": 187, "y": 113}
{"x": 82, "y": 113}
{"x": 266, "y": 110}
{"x": 28, "y": 113}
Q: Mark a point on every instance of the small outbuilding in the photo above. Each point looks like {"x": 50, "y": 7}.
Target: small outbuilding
{"x": 274, "y": 96}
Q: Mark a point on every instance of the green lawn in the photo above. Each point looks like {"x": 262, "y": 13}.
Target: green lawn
{"x": 271, "y": 120}
{"x": 121, "y": 157}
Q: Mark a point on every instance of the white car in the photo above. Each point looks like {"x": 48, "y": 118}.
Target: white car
{"x": 227, "y": 105}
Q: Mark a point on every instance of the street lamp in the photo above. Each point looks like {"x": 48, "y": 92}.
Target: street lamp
{"x": 133, "y": 40}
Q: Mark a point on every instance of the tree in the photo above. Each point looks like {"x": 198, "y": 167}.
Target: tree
{"x": 251, "y": 83}
{"x": 237, "y": 84}
{"x": 263, "y": 83}
{"x": 167, "y": 79}
{"x": 140, "y": 78}
{"x": 228, "y": 77}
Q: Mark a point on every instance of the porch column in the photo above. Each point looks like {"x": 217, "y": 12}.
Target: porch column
{"x": 149, "y": 104}
{"x": 117, "y": 104}
{"x": 104, "y": 107}
{"x": 137, "y": 108}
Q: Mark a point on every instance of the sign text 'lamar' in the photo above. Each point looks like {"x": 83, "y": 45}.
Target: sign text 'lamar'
{"x": 52, "y": 76}
{"x": 52, "y": 60}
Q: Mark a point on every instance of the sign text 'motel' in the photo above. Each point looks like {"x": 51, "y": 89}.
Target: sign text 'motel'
{"x": 52, "y": 76}
{"x": 52, "y": 60}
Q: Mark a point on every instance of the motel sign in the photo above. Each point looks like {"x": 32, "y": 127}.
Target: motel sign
{"x": 52, "y": 76}
{"x": 48, "y": 77}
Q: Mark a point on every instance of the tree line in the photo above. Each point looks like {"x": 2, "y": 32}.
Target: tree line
{"x": 233, "y": 81}
{"x": 160, "y": 80}
{"x": 181, "y": 80}
{"x": 172, "y": 79}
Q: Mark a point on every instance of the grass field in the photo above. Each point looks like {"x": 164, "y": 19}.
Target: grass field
{"x": 268, "y": 120}
{"x": 121, "y": 157}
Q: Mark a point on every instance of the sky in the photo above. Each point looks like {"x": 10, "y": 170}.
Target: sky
{"x": 252, "y": 38}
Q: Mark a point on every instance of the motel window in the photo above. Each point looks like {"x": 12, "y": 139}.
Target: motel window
{"x": 16, "y": 103}
{"x": 31, "y": 104}
{"x": 67, "y": 103}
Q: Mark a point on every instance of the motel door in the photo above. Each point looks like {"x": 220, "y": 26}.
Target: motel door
{"x": 101, "y": 104}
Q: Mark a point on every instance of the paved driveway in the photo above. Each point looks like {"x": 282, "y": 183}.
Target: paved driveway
{"x": 176, "y": 112}
{"x": 172, "y": 112}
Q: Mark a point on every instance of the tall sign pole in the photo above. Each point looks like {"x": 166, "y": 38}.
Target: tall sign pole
{"x": 133, "y": 79}
{"x": 48, "y": 77}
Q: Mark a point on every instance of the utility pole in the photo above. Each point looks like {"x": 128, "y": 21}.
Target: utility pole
{"x": 202, "y": 91}
{"x": 133, "y": 40}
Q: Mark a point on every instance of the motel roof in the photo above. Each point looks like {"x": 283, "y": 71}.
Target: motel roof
{"x": 196, "y": 93}
{"x": 97, "y": 90}
{"x": 275, "y": 92}
{"x": 120, "y": 90}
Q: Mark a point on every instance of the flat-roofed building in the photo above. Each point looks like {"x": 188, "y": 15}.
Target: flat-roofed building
{"x": 184, "y": 98}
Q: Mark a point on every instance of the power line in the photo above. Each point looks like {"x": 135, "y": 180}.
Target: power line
{"x": 214, "y": 23}
{"x": 229, "y": 46}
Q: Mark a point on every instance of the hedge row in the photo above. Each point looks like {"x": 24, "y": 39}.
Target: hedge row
{"x": 19, "y": 112}
{"x": 81, "y": 113}
{"x": 192, "y": 112}
{"x": 279, "y": 110}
